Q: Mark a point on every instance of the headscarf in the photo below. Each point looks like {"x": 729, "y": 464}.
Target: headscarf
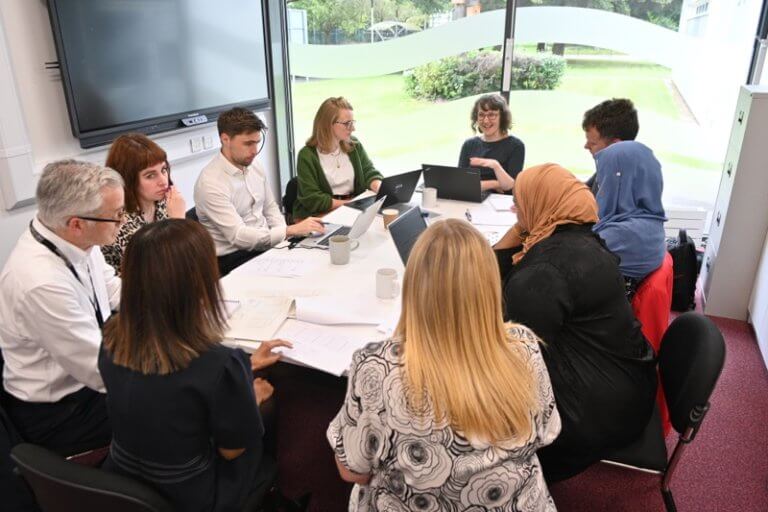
{"x": 548, "y": 196}
{"x": 629, "y": 201}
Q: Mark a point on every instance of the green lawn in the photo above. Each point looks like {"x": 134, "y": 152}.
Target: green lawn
{"x": 401, "y": 133}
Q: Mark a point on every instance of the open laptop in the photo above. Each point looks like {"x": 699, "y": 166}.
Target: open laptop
{"x": 405, "y": 230}
{"x": 358, "y": 228}
{"x": 398, "y": 190}
{"x": 458, "y": 183}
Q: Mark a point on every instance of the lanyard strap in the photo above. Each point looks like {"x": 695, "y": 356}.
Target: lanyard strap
{"x": 94, "y": 300}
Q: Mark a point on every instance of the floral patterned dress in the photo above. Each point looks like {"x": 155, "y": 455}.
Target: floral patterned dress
{"x": 113, "y": 253}
{"x": 419, "y": 463}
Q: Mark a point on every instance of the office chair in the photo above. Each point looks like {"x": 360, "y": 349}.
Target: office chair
{"x": 291, "y": 192}
{"x": 690, "y": 361}
{"x": 61, "y": 486}
{"x": 192, "y": 214}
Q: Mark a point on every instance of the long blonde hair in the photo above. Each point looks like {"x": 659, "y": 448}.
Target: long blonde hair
{"x": 327, "y": 114}
{"x": 456, "y": 346}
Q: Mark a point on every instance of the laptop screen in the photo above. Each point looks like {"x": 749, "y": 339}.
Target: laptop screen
{"x": 405, "y": 230}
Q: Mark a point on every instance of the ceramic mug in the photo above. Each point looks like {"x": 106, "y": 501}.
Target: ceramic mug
{"x": 340, "y": 246}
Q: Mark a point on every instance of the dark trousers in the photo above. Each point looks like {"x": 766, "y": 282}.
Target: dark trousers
{"x": 75, "y": 424}
{"x": 231, "y": 261}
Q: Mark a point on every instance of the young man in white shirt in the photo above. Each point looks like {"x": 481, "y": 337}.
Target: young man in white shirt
{"x": 56, "y": 292}
{"x": 233, "y": 200}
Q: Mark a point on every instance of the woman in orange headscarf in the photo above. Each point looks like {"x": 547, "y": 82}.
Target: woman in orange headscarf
{"x": 566, "y": 286}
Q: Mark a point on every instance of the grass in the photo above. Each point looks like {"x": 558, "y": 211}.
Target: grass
{"x": 400, "y": 133}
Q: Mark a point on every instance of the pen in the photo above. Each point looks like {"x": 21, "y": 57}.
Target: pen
{"x": 468, "y": 215}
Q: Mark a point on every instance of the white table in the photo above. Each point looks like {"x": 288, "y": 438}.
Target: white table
{"x": 357, "y": 278}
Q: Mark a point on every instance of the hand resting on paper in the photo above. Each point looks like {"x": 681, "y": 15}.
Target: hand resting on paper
{"x": 263, "y": 356}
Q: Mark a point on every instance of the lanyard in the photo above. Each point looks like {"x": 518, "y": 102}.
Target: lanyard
{"x": 55, "y": 250}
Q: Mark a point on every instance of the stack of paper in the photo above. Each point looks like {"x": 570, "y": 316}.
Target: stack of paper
{"x": 352, "y": 309}
{"x": 258, "y": 319}
{"x": 276, "y": 266}
{"x": 500, "y": 202}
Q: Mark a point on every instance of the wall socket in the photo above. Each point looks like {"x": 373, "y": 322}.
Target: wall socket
{"x": 207, "y": 141}
{"x": 196, "y": 144}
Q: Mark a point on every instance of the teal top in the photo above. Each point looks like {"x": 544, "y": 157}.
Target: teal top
{"x": 314, "y": 194}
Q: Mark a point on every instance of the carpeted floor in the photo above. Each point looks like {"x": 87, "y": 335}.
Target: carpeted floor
{"x": 724, "y": 469}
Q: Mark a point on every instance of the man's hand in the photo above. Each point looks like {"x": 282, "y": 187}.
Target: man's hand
{"x": 263, "y": 390}
{"x": 263, "y": 356}
{"x": 310, "y": 225}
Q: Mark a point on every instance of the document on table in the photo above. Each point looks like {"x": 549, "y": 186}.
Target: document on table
{"x": 258, "y": 319}
{"x": 344, "y": 216}
{"x": 500, "y": 202}
{"x": 485, "y": 217}
{"x": 326, "y": 348}
{"x": 345, "y": 309}
{"x": 276, "y": 266}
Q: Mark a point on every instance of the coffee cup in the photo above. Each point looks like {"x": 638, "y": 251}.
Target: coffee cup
{"x": 429, "y": 197}
{"x": 387, "y": 286}
{"x": 340, "y": 246}
{"x": 389, "y": 214}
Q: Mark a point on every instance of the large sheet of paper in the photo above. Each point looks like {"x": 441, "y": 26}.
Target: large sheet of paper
{"x": 343, "y": 216}
{"x": 278, "y": 266}
{"x": 258, "y": 319}
{"x": 345, "y": 309}
{"x": 486, "y": 217}
{"x": 500, "y": 202}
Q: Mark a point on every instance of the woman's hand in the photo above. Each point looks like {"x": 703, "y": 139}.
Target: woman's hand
{"x": 263, "y": 356}
{"x": 505, "y": 181}
{"x": 263, "y": 390}
{"x": 374, "y": 186}
{"x": 175, "y": 204}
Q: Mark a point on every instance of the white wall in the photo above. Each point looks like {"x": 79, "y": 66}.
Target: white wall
{"x": 39, "y": 95}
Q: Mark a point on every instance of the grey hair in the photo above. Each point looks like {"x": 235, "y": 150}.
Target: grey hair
{"x": 68, "y": 188}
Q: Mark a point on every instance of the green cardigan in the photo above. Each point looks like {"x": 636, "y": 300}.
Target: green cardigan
{"x": 314, "y": 195}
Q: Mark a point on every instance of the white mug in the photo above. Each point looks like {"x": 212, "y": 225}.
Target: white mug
{"x": 387, "y": 286}
{"x": 429, "y": 197}
{"x": 340, "y": 246}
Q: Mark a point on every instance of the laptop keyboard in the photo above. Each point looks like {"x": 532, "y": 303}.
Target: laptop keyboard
{"x": 343, "y": 230}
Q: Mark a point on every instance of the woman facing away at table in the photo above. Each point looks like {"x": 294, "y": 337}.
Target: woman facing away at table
{"x": 566, "y": 286}
{"x": 500, "y": 154}
{"x": 184, "y": 408}
{"x": 448, "y": 413}
{"x": 333, "y": 166}
{"x": 149, "y": 194}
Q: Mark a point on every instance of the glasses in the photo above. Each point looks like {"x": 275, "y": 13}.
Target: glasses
{"x": 488, "y": 115}
{"x": 347, "y": 124}
{"x": 119, "y": 220}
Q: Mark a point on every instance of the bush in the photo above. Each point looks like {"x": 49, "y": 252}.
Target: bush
{"x": 478, "y": 72}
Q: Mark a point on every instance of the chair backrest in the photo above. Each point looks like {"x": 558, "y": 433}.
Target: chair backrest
{"x": 192, "y": 214}
{"x": 291, "y": 192}
{"x": 61, "y": 486}
{"x": 690, "y": 361}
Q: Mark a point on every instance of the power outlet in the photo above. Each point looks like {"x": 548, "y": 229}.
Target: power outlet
{"x": 196, "y": 144}
{"x": 207, "y": 141}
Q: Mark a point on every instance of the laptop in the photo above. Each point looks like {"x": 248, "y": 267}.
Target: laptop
{"x": 458, "y": 183}
{"x": 358, "y": 228}
{"x": 398, "y": 189}
{"x": 405, "y": 230}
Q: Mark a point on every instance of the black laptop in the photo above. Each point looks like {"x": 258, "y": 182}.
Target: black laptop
{"x": 458, "y": 183}
{"x": 405, "y": 230}
{"x": 398, "y": 189}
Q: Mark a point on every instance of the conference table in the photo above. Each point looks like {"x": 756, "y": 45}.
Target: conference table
{"x": 333, "y": 289}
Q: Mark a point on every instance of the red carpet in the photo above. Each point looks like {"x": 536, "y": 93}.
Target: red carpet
{"x": 724, "y": 469}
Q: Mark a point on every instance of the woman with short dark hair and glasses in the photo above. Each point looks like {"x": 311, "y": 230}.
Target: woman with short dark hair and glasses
{"x": 149, "y": 194}
{"x": 333, "y": 166}
{"x": 184, "y": 407}
{"x": 499, "y": 154}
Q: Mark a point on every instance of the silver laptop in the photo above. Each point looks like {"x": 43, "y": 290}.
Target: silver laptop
{"x": 358, "y": 229}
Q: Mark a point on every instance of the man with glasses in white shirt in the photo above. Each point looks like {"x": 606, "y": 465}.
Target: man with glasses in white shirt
{"x": 56, "y": 292}
{"x": 233, "y": 200}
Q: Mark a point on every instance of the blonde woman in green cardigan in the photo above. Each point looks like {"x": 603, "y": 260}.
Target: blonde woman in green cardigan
{"x": 333, "y": 167}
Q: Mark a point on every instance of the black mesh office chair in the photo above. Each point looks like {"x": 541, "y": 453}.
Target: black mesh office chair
{"x": 62, "y": 486}
{"x": 291, "y": 192}
{"x": 690, "y": 361}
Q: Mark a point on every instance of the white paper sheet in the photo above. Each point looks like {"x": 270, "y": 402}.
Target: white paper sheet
{"x": 344, "y": 216}
{"x": 500, "y": 202}
{"x": 326, "y": 348}
{"x": 258, "y": 319}
{"x": 276, "y": 266}
{"x": 352, "y": 309}
{"x": 485, "y": 217}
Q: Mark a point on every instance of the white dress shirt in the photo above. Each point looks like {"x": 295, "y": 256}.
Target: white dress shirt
{"x": 237, "y": 207}
{"x": 48, "y": 329}
{"x": 338, "y": 171}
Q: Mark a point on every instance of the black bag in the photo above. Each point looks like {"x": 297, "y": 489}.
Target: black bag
{"x": 686, "y": 271}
